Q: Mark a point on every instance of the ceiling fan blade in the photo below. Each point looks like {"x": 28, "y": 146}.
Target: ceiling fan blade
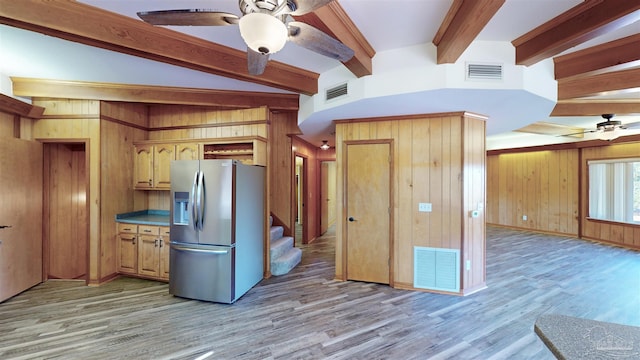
{"x": 188, "y": 17}
{"x": 256, "y": 62}
{"x": 306, "y": 6}
{"x": 315, "y": 40}
{"x": 633, "y": 125}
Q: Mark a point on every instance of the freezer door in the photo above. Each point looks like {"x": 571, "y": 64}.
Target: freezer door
{"x": 217, "y": 197}
{"x": 202, "y": 272}
{"x": 183, "y": 200}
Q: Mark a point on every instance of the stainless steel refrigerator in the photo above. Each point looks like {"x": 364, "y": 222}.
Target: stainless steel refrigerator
{"x": 217, "y": 229}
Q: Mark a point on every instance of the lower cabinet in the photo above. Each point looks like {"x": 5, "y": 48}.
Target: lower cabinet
{"x": 143, "y": 250}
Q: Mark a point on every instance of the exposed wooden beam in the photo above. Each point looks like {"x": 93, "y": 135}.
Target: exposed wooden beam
{"x": 89, "y": 25}
{"x": 152, "y": 94}
{"x": 581, "y": 23}
{"x": 333, "y": 20}
{"x": 462, "y": 24}
{"x": 611, "y": 83}
{"x": 615, "y": 55}
{"x": 21, "y": 108}
{"x": 596, "y": 107}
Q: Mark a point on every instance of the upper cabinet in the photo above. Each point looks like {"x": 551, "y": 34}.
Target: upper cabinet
{"x": 143, "y": 167}
{"x": 152, "y": 160}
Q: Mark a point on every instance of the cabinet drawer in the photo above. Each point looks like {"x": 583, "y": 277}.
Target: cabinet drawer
{"x": 148, "y": 230}
{"x": 127, "y": 228}
{"x": 164, "y": 231}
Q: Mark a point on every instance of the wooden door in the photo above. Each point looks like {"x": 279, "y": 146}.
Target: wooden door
{"x": 143, "y": 167}
{"x": 21, "y": 194}
{"x": 368, "y": 190}
{"x": 65, "y": 206}
{"x": 162, "y": 156}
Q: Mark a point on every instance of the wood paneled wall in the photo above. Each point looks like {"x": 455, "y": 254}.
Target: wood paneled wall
{"x": 438, "y": 159}
{"x": 116, "y": 166}
{"x": 281, "y": 167}
{"x": 627, "y": 235}
{"x": 541, "y": 185}
{"x": 78, "y": 121}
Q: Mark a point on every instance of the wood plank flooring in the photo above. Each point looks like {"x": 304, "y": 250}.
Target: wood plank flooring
{"x": 308, "y": 315}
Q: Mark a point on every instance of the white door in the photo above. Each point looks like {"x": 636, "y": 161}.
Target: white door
{"x": 21, "y": 216}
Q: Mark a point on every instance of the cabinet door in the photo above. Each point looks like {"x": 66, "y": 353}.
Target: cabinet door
{"x": 127, "y": 253}
{"x": 187, "y": 152}
{"x": 164, "y": 252}
{"x": 143, "y": 167}
{"x": 148, "y": 255}
{"x": 163, "y": 154}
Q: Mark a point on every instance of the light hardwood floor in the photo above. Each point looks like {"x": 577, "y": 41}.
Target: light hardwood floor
{"x": 307, "y": 315}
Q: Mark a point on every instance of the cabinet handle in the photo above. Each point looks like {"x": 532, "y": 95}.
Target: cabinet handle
{"x": 156, "y": 243}
{"x": 161, "y": 242}
{"x": 146, "y": 230}
{"x": 150, "y": 182}
{"x": 133, "y": 240}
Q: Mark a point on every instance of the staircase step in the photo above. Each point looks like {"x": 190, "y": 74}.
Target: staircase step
{"x": 287, "y": 261}
{"x": 280, "y": 246}
{"x": 276, "y": 232}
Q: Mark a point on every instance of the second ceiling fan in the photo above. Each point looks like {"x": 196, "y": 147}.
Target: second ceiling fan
{"x": 265, "y": 26}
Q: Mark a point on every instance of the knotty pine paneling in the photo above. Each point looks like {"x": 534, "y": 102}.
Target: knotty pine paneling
{"x": 435, "y": 161}
{"x": 541, "y": 185}
{"x": 193, "y": 122}
{"x": 128, "y": 113}
{"x": 617, "y": 233}
{"x": 117, "y": 194}
{"x": 6, "y": 124}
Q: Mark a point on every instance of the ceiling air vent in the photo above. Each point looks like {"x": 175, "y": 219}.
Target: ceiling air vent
{"x": 336, "y": 92}
{"x": 484, "y": 71}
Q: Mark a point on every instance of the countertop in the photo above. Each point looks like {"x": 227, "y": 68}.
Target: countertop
{"x": 145, "y": 217}
{"x": 574, "y": 338}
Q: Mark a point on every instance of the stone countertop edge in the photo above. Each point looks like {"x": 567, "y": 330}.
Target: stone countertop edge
{"x": 574, "y": 338}
{"x": 145, "y": 217}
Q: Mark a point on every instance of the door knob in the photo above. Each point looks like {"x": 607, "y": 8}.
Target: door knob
{"x": 351, "y": 219}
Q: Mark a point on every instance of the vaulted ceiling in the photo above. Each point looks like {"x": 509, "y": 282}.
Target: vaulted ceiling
{"x": 586, "y": 51}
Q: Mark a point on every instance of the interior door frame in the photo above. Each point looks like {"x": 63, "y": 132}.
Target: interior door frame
{"x": 345, "y": 197}
{"x": 45, "y": 203}
{"x": 303, "y": 183}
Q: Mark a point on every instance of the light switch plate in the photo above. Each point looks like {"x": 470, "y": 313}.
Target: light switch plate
{"x": 424, "y": 207}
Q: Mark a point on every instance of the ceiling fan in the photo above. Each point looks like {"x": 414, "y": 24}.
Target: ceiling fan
{"x": 265, "y": 26}
{"x": 609, "y": 129}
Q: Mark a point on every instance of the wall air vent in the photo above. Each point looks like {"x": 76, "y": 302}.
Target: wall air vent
{"x": 484, "y": 71}
{"x": 336, "y": 92}
{"x": 436, "y": 269}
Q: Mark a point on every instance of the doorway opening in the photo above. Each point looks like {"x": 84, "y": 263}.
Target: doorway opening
{"x": 300, "y": 225}
{"x": 65, "y": 211}
{"x": 327, "y": 195}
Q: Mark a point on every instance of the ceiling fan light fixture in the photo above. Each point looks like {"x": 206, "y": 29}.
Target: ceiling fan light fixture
{"x": 608, "y": 135}
{"x": 263, "y": 33}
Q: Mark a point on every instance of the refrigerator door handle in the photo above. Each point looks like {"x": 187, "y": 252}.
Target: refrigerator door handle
{"x": 194, "y": 208}
{"x": 188, "y": 249}
{"x": 201, "y": 201}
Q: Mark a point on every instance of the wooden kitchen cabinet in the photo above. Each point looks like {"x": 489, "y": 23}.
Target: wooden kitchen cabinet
{"x": 187, "y": 151}
{"x": 143, "y": 167}
{"x": 127, "y": 248}
{"x": 143, "y": 250}
{"x": 152, "y": 166}
{"x": 165, "y": 239}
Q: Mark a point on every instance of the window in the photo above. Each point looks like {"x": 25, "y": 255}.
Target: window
{"x": 614, "y": 190}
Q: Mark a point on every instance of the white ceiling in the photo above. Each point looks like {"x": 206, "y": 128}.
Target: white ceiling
{"x": 390, "y": 26}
